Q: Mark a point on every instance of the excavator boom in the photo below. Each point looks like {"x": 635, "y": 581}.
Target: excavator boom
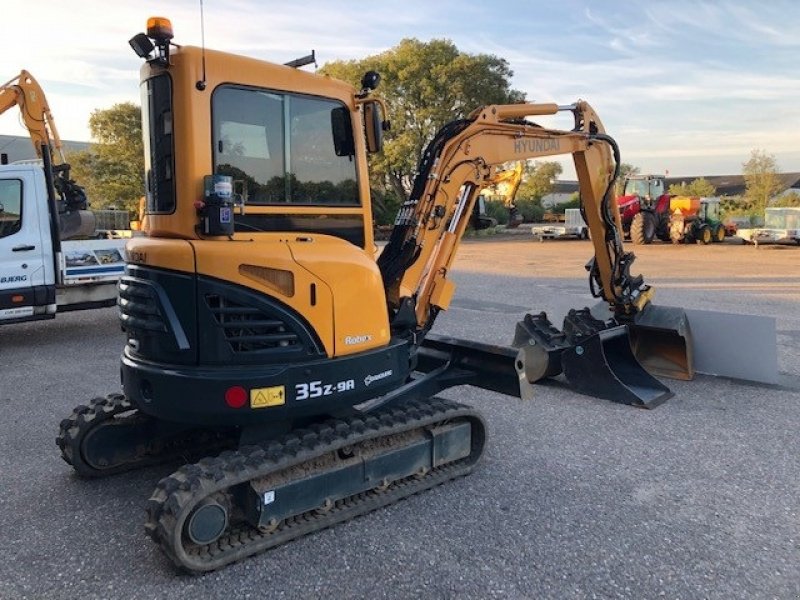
{"x": 24, "y": 91}
{"x": 436, "y": 216}
{"x": 458, "y": 163}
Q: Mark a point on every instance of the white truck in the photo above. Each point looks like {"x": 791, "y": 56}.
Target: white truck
{"x": 781, "y": 226}
{"x": 39, "y": 273}
{"x": 573, "y": 227}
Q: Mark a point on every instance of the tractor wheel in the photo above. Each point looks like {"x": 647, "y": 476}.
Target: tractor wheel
{"x": 643, "y": 228}
{"x": 704, "y": 235}
{"x": 719, "y": 233}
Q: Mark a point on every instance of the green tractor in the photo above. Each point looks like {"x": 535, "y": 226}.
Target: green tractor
{"x": 696, "y": 220}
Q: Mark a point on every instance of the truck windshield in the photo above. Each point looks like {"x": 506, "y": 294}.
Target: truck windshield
{"x": 280, "y": 148}
{"x": 158, "y": 147}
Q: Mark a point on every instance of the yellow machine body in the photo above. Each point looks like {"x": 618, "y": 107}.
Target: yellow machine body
{"x": 334, "y": 284}
{"x": 259, "y": 313}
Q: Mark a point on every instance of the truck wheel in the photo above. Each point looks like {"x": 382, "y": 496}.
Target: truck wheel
{"x": 719, "y": 234}
{"x": 643, "y": 228}
{"x": 704, "y": 235}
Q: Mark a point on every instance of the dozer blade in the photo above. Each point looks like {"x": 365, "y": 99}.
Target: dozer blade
{"x": 603, "y": 365}
{"x": 662, "y": 341}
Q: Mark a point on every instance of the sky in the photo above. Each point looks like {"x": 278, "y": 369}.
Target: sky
{"x": 685, "y": 87}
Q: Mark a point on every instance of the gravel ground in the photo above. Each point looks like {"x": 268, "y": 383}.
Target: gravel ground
{"x": 575, "y": 498}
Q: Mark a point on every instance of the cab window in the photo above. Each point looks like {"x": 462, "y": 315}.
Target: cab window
{"x": 283, "y": 148}
{"x": 10, "y": 206}
{"x": 158, "y": 144}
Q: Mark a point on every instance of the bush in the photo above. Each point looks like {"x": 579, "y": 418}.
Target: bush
{"x": 531, "y": 210}
{"x": 497, "y": 210}
{"x": 384, "y": 206}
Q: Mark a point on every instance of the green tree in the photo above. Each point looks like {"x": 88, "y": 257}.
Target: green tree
{"x": 625, "y": 170}
{"x": 384, "y": 206}
{"x": 426, "y": 85}
{"x": 112, "y": 169}
{"x": 787, "y": 199}
{"x": 573, "y": 202}
{"x": 538, "y": 180}
{"x": 697, "y": 187}
{"x": 761, "y": 179}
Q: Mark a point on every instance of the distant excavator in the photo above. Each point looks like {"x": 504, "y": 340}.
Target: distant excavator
{"x": 25, "y": 92}
{"x": 505, "y": 184}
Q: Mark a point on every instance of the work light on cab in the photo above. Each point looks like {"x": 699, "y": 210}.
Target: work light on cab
{"x": 159, "y": 29}
{"x": 158, "y": 36}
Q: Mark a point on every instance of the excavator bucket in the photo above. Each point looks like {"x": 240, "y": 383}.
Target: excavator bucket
{"x": 603, "y": 365}
{"x": 660, "y": 337}
{"x": 662, "y": 341}
{"x": 597, "y": 359}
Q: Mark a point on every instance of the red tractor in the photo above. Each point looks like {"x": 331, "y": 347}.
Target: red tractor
{"x": 644, "y": 207}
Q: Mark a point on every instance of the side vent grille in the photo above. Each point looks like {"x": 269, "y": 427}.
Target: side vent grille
{"x": 276, "y": 279}
{"x": 138, "y": 307}
{"x": 248, "y": 329}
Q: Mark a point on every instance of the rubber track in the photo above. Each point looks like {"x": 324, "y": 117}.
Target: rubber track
{"x": 176, "y": 495}
{"x": 84, "y": 419}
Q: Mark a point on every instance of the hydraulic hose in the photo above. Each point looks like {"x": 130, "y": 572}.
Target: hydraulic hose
{"x": 402, "y": 250}
{"x": 613, "y": 243}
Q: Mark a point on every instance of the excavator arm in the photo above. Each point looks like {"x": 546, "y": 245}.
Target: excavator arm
{"x": 26, "y": 93}
{"x": 595, "y": 349}
{"x": 461, "y": 161}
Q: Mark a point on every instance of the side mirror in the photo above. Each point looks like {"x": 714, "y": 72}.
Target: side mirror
{"x": 373, "y": 126}
{"x": 370, "y": 80}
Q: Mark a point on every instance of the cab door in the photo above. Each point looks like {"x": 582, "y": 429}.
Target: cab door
{"x": 21, "y": 246}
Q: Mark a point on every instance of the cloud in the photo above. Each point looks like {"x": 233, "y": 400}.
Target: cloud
{"x": 670, "y": 80}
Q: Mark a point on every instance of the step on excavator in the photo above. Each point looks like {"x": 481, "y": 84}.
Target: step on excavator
{"x": 270, "y": 340}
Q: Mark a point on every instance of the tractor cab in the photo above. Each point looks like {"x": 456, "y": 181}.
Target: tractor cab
{"x": 648, "y": 188}
{"x": 710, "y": 210}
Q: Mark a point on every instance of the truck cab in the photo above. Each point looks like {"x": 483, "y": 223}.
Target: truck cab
{"x": 27, "y": 264}
{"x": 39, "y": 273}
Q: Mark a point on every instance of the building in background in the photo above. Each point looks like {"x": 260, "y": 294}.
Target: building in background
{"x": 18, "y": 147}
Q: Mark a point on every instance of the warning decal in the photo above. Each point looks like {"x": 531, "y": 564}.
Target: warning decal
{"x": 269, "y": 396}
